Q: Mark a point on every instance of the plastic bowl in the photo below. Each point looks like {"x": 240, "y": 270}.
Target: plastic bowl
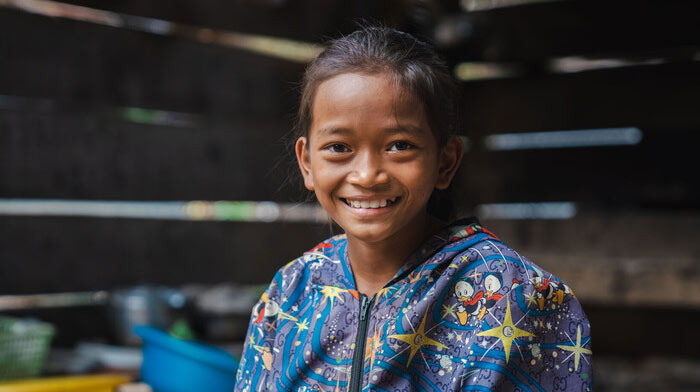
{"x": 175, "y": 365}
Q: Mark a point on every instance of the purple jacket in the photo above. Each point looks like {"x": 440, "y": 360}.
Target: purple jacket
{"x": 465, "y": 313}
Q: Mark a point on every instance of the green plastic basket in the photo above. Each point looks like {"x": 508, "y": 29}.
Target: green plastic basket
{"x": 24, "y": 345}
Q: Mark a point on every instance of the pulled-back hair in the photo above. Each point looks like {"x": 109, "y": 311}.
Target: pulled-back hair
{"x": 415, "y": 68}
{"x": 413, "y": 64}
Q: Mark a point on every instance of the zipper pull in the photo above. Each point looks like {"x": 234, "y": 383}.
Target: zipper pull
{"x": 364, "y": 305}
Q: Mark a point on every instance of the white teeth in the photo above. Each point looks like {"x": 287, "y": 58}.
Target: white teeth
{"x": 371, "y": 203}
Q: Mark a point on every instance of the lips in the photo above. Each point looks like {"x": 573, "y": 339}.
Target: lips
{"x": 369, "y": 203}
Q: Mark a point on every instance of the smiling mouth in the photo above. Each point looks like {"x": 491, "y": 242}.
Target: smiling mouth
{"x": 370, "y": 204}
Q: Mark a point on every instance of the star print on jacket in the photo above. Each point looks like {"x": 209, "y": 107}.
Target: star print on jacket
{"x": 465, "y": 313}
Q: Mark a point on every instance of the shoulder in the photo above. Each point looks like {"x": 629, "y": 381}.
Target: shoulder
{"x": 485, "y": 274}
{"x": 493, "y": 260}
{"x": 296, "y": 277}
{"x": 323, "y": 253}
{"x": 522, "y": 315}
{"x": 313, "y": 265}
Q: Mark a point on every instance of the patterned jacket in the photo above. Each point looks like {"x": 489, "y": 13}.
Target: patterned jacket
{"x": 465, "y": 313}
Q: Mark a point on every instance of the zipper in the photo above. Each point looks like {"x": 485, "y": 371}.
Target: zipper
{"x": 358, "y": 356}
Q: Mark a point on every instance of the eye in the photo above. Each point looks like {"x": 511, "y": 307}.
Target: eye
{"x": 337, "y": 148}
{"x": 401, "y": 145}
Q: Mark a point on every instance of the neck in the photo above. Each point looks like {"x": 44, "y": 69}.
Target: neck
{"x": 374, "y": 263}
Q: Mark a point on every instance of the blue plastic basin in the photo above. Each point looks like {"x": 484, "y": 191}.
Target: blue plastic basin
{"x": 175, "y": 365}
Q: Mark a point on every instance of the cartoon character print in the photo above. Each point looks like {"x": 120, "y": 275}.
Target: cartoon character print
{"x": 470, "y": 303}
{"x": 266, "y": 307}
{"x": 547, "y": 289}
{"x": 493, "y": 281}
{"x": 474, "y": 303}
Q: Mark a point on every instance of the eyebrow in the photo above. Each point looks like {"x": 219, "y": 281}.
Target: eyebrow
{"x": 333, "y": 131}
{"x": 404, "y": 129}
{"x": 390, "y": 130}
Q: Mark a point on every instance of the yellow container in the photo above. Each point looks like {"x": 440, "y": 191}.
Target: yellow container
{"x": 93, "y": 383}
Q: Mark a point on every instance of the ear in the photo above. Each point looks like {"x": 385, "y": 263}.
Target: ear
{"x": 304, "y": 160}
{"x": 450, "y": 158}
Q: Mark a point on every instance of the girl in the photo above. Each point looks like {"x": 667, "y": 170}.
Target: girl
{"x": 402, "y": 301}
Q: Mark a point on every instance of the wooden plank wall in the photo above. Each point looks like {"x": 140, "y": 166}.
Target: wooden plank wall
{"x": 66, "y": 138}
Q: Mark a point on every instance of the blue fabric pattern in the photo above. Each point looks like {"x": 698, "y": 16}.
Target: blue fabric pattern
{"x": 465, "y": 313}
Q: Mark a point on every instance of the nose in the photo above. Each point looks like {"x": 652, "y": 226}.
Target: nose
{"x": 367, "y": 171}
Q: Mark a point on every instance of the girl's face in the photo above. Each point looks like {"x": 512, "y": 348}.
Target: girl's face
{"x": 371, "y": 157}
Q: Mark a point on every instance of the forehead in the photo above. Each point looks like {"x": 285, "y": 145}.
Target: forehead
{"x": 365, "y": 100}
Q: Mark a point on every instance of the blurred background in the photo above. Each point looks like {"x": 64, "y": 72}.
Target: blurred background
{"x": 145, "y": 176}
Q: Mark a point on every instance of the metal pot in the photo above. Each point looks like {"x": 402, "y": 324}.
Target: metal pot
{"x": 143, "y": 305}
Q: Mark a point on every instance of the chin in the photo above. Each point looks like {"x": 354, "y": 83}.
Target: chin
{"x": 369, "y": 232}
{"x": 367, "y": 236}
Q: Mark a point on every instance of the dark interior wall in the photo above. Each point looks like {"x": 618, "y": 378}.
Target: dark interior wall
{"x": 64, "y": 134}
{"x": 46, "y": 254}
{"x": 68, "y": 137}
{"x": 91, "y": 156}
{"x": 309, "y": 20}
{"x": 658, "y": 173}
{"x": 84, "y": 65}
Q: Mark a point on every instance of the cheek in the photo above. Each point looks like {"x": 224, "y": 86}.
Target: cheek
{"x": 326, "y": 177}
{"x": 421, "y": 179}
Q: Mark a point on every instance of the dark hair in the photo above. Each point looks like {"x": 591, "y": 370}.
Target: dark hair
{"x": 415, "y": 67}
{"x": 413, "y": 64}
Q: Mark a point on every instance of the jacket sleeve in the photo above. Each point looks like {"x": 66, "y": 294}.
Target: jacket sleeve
{"x": 256, "y": 360}
{"x": 534, "y": 347}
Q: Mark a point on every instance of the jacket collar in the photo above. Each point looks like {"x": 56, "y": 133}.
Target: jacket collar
{"x": 453, "y": 232}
